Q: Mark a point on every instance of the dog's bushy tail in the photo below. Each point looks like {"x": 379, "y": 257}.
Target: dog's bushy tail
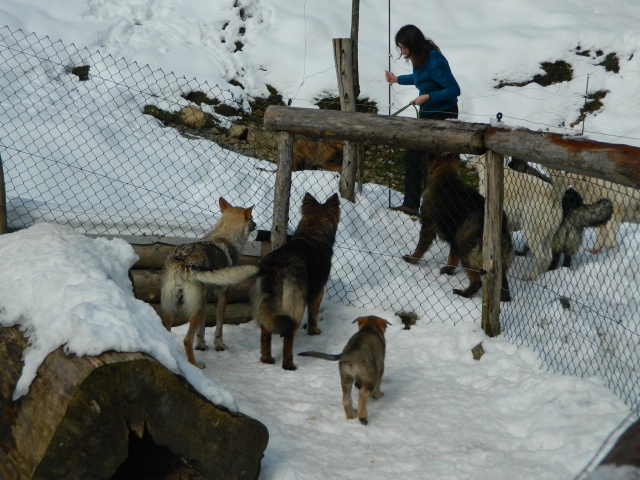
{"x": 278, "y": 304}
{"x": 324, "y": 356}
{"x": 223, "y": 277}
{"x": 592, "y": 215}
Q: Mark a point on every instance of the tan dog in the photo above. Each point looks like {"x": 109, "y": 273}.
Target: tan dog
{"x": 361, "y": 363}
{"x": 191, "y": 269}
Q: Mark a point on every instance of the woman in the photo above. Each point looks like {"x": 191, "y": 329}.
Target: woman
{"x": 438, "y": 100}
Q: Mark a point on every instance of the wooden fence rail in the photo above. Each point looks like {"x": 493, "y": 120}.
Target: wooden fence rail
{"x": 612, "y": 162}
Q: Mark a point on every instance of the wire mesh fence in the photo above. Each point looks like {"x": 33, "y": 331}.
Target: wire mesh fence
{"x": 111, "y": 147}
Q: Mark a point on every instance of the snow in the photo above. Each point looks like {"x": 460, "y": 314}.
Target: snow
{"x": 444, "y": 415}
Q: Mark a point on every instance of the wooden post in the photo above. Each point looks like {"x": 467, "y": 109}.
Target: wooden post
{"x": 3, "y": 203}
{"x": 282, "y": 190}
{"x": 343, "y": 55}
{"x": 355, "y": 27}
{"x": 491, "y": 245}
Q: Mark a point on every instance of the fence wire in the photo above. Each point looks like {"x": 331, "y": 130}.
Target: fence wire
{"x": 111, "y": 147}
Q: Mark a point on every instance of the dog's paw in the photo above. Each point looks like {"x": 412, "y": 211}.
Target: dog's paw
{"x": 462, "y": 293}
{"x": 269, "y": 360}
{"x": 448, "y": 270}
{"x": 289, "y": 366}
{"x": 202, "y": 347}
{"x": 377, "y": 395}
{"x": 410, "y": 259}
{"x": 200, "y": 365}
{"x": 219, "y": 345}
{"x": 364, "y": 420}
{"x": 314, "y": 331}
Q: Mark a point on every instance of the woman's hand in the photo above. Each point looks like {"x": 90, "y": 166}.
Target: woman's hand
{"x": 390, "y": 77}
{"x": 420, "y": 100}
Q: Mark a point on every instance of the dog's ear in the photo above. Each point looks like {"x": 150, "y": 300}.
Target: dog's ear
{"x": 309, "y": 199}
{"x": 333, "y": 200}
{"x": 362, "y": 321}
{"x": 382, "y": 323}
{"x": 247, "y": 213}
{"x": 223, "y": 204}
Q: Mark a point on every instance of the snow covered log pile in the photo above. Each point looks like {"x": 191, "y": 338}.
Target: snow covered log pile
{"x": 116, "y": 415}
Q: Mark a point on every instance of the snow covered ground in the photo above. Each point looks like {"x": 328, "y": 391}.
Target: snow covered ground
{"x": 444, "y": 415}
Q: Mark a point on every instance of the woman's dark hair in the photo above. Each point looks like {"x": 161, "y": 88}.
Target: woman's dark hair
{"x": 412, "y": 38}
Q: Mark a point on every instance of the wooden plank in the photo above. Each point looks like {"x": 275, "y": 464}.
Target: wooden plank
{"x": 613, "y": 162}
{"x": 491, "y": 245}
{"x": 282, "y": 190}
{"x": 423, "y": 134}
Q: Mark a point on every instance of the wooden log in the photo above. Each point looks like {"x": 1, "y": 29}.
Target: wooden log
{"x": 147, "y": 285}
{"x": 282, "y": 190}
{"x": 235, "y": 314}
{"x": 626, "y": 450}
{"x": 491, "y": 245}
{"x": 152, "y": 254}
{"x": 447, "y": 135}
{"x": 3, "y": 202}
{"x": 343, "y": 57}
{"x": 119, "y": 414}
{"x": 613, "y": 162}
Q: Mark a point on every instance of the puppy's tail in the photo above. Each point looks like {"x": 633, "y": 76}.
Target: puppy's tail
{"x": 324, "y": 356}
{"x": 223, "y": 277}
{"x": 592, "y": 215}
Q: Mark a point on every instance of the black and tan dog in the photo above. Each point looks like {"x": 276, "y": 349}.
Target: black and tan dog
{"x": 191, "y": 269}
{"x": 454, "y": 212}
{"x": 293, "y": 277}
{"x": 361, "y": 364}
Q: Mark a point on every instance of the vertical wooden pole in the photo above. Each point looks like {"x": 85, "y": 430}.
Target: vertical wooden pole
{"x": 282, "y": 190}
{"x": 355, "y": 28}
{"x": 3, "y": 202}
{"x": 491, "y": 245}
{"x": 343, "y": 56}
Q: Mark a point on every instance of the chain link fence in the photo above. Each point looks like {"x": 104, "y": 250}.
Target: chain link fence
{"x": 111, "y": 147}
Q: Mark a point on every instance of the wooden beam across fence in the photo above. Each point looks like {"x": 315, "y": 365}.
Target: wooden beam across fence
{"x": 615, "y": 163}
{"x": 609, "y": 161}
{"x": 372, "y": 129}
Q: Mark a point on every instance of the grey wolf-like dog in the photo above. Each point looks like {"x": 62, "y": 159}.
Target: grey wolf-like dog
{"x": 194, "y": 268}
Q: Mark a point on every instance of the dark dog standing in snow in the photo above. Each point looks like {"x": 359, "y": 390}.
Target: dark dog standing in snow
{"x": 454, "y": 212}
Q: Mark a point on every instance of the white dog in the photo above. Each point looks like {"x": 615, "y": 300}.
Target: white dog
{"x": 625, "y": 201}
{"x": 533, "y": 206}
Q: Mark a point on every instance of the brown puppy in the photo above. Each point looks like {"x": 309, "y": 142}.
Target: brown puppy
{"x": 361, "y": 363}
{"x": 191, "y": 269}
{"x": 293, "y": 277}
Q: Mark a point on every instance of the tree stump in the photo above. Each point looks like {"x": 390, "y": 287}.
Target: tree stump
{"x": 117, "y": 416}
